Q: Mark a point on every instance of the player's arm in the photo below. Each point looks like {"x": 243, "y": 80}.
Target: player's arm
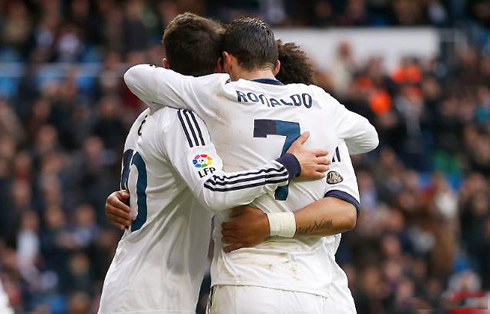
{"x": 328, "y": 216}
{"x": 159, "y": 87}
{"x": 357, "y": 132}
{"x": 337, "y": 212}
{"x": 188, "y": 147}
{"x": 249, "y": 226}
{"x": 360, "y": 136}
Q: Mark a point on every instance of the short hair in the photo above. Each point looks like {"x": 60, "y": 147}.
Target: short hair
{"x": 192, "y": 44}
{"x": 295, "y": 65}
{"x": 252, "y": 42}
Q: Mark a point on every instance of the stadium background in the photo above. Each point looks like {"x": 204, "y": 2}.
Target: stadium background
{"x": 423, "y": 238}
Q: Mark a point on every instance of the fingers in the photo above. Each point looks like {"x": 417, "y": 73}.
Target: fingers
{"x": 115, "y": 202}
{"x": 227, "y": 225}
{"x": 227, "y": 232}
{"x": 315, "y": 172}
{"x": 110, "y": 209}
{"x": 233, "y": 247}
{"x": 303, "y": 138}
{"x": 116, "y": 218}
{"x": 123, "y": 195}
{"x": 118, "y": 204}
{"x": 320, "y": 152}
{"x": 119, "y": 226}
{"x": 118, "y": 222}
{"x": 117, "y": 212}
{"x": 316, "y": 175}
{"x": 323, "y": 161}
{"x": 322, "y": 168}
{"x": 228, "y": 240}
{"x": 237, "y": 211}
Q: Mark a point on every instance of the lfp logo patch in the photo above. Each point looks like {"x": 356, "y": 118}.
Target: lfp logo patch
{"x": 202, "y": 161}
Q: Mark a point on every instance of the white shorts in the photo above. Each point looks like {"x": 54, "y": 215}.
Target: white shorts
{"x": 339, "y": 296}
{"x": 258, "y": 300}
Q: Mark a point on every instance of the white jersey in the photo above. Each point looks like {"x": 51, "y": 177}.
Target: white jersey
{"x": 170, "y": 167}
{"x": 251, "y": 122}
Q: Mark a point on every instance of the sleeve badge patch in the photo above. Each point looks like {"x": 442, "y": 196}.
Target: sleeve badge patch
{"x": 202, "y": 161}
{"x": 333, "y": 177}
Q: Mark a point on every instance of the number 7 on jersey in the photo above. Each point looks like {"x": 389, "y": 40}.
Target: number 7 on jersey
{"x": 290, "y": 130}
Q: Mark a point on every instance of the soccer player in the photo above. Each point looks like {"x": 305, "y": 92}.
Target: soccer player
{"x": 249, "y": 226}
{"x": 169, "y": 166}
{"x": 252, "y": 118}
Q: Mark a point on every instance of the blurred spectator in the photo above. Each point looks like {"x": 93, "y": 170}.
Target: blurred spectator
{"x": 355, "y": 13}
{"x": 109, "y": 126}
{"x": 342, "y": 69}
{"x": 408, "y": 12}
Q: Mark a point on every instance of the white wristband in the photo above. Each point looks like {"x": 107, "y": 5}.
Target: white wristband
{"x": 282, "y": 224}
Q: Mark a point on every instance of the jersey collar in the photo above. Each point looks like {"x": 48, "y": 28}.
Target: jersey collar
{"x": 270, "y": 81}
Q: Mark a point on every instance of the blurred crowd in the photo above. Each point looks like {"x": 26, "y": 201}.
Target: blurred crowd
{"x": 423, "y": 239}
{"x": 85, "y": 30}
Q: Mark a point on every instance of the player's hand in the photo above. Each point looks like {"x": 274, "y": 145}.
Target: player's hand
{"x": 313, "y": 162}
{"x": 247, "y": 227}
{"x": 117, "y": 210}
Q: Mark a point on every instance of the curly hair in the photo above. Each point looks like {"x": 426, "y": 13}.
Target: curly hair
{"x": 295, "y": 65}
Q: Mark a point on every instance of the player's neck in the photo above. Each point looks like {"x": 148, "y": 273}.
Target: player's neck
{"x": 256, "y": 74}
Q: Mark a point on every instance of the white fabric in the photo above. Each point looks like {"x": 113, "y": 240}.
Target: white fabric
{"x": 258, "y": 300}
{"x": 159, "y": 267}
{"x": 208, "y": 96}
{"x": 282, "y": 224}
{"x": 4, "y": 302}
{"x": 340, "y": 299}
{"x": 232, "y": 111}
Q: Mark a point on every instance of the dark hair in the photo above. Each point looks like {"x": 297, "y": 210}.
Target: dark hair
{"x": 252, "y": 42}
{"x": 192, "y": 44}
{"x": 295, "y": 65}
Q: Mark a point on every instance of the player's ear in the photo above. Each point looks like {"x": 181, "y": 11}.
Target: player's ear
{"x": 219, "y": 65}
{"x": 226, "y": 58}
{"x": 277, "y": 68}
{"x": 226, "y": 61}
{"x": 165, "y": 63}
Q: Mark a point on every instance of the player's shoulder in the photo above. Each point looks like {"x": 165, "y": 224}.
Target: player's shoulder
{"x": 212, "y": 79}
{"x": 171, "y": 118}
{"x": 206, "y": 85}
{"x": 319, "y": 91}
{"x": 310, "y": 88}
{"x": 324, "y": 97}
{"x": 142, "y": 116}
{"x": 130, "y": 142}
{"x": 165, "y": 115}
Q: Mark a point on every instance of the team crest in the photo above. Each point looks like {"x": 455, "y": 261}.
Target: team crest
{"x": 333, "y": 177}
{"x": 202, "y": 161}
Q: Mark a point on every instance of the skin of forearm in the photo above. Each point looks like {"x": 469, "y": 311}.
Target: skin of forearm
{"x": 326, "y": 217}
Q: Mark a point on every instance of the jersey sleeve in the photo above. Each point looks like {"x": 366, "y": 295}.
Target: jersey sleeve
{"x": 194, "y": 157}
{"x": 159, "y": 87}
{"x": 341, "y": 178}
{"x": 359, "y": 134}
